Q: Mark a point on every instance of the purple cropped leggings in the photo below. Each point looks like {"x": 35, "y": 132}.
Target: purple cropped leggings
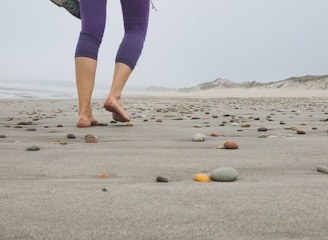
{"x": 93, "y": 17}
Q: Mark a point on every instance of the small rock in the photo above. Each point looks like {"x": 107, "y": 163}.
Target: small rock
{"x": 220, "y": 147}
{"x": 300, "y": 132}
{"x": 262, "y": 129}
{"x": 245, "y": 125}
{"x": 129, "y": 124}
{"x": 104, "y": 190}
{"x": 91, "y": 138}
{"x": 161, "y": 179}
{"x": 322, "y": 169}
{"x": 45, "y": 126}
{"x": 103, "y": 175}
{"x": 52, "y": 131}
{"x": 18, "y": 126}
{"x": 214, "y": 134}
{"x": 230, "y": 144}
{"x": 198, "y": 137}
{"x": 33, "y": 148}
{"x": 71, "y": 136}
{"x": 224, "y": 174}
{"x": 63, "y": 143}
{"x": 113, "y": 121}
{"x": 234, "y": 124}
{"x": 272, "y": 137}
{"x": 32, "y": 129}
{"x": 314, "y": 128}
{"x": 159, "y": 120}
{"x": 59, "y": 125}
{"x": 2, "y": 136}
{"x": 201, "y": 177}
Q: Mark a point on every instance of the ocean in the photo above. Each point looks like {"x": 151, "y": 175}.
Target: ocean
{"x": 37, "y": 89}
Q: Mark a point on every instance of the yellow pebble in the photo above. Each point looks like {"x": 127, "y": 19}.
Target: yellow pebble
{"x": 201, "y": 177}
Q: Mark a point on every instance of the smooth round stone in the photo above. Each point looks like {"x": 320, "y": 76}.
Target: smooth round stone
{"x": 230, "y": 144}
{"x": 198, "y": 137}
{"x": 129, "y": 124}
{"x": 201, "y": 177}
{"x": 33, "y": 148}
{"x": 301, "y": 132}
{"x": 224, "y": 174}
{"x": 256, "y": 118}
{"x": 32, "y": 129}
{"x": 63, "y": 143}
{"x": 161, "y": 179}
{"x": 322, "y": 169}
{"x": 91, "y": 138}
{"x": 245, "y": 125}
{"x": 262, "y": 129}
{"x": 2, "y": 136}
{"x": 71, "y": 136}
{"x": 103, "y": 175}
{"x": 59, "y": 125}
{"x": 159, "y": 120}
{"x": 234, "y": 124}
{"x": 214, "y": 134}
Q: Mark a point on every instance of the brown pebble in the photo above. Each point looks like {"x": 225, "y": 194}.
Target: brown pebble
{"x": 159, "y": 120}
{"x": 91, "y": 138}
{"x": 31, "y": 129}
{"x": 59, "y": 125}
{"x": 71, "y": 136}
{"x": 161, "y": 179}
{"x": 300, "y": 132}
{"x": 103, "y": 175}
{"x": 129, "y": 124}
{"x": 230, "y": 144}
{"x": 245, "y": 125}
{"x": 214, "y": 134}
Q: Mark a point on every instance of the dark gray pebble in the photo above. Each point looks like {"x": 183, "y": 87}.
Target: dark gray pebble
{"x": 300, "y": 132}
{"x": 60, "y": 125}
{"x": 71, "y": 136}
{"x": 322, "y": 169}
{"x": 104, "y": 190}
{"x": 33, "y": 148}
{"x": 2, "y": 136}
{"x": 31, "y": 129}
{"x": 161, "y": 179}
{"x": 262, "y": 129}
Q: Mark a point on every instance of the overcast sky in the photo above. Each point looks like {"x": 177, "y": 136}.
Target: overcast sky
{"x": 188, "y": 42}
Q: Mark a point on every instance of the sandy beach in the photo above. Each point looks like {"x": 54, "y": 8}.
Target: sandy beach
{"x": 56, "y": 192}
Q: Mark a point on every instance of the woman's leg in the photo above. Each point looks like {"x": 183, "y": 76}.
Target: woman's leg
{"x": 135, "y": 15}
{"x": 93, "y": 18}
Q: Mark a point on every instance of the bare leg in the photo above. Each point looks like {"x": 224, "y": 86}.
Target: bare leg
{"x": 113, "y": 102}
{"x": 85, "y": 78}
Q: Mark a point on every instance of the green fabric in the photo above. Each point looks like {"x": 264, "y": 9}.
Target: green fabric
{"x": 73, "y": 7}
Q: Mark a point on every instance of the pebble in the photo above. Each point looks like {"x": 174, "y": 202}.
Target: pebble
{"x": 91, "y": 138}
{"x": 63, "y": 143}
{"x": 272, "y": 137}
{"x": 161, "y": 179}
{"x": 262, "y": 129}
{"x": 245, "y": 125}
{"x": 129, "y": 124}
{"x": 224, "y": 174}
{"x": 214, "y": 134}
{"x": 300, "y": 132}
{"x": 230, "y": 144}
{"x": 31, "y": 129}
{"x": 45, "y": 126}
{"x": 60, "y": 125}
{"x": 234, "y": 124}
{"x": 198, "y": 137}
{"x": 159, "y": 120}
{"x": 52, "y": 131}
{"x": 103, "y": 175}
{"x": 104, "y": 190}
{"x": 2, "y": 136}
{"x": 71, "y": 136}
{"x": 201, "y": 177}
{"x": 322, "y": 169}
{"x": 33, "y": 148}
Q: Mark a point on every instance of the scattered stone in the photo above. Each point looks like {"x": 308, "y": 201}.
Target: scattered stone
{"x": 262, "y": 129}
{"x": 159, "y": 120}
{"x": 214, "y": 116}
{"x": 230, "y": 144}
{"x": 303, "y": 124}
{"x": 222, "y": 125}
{"x": 224, "y": 174}
{"x": 103, "y": 175}
{"x": 214, "y": 134}
{"x": 256, "y": 118}
{"x": 290, "y": 135}
{"x": 45, "y": 126}
{"x": 59, "y": 125}
{"x": 198, "y": 137}
{"x": 272, "y": 137}
{"x": 104, "y": 190}
{"x": 2, "y": 136}
{"x": 322, "y": 169}
{"x": 161, "y": 179}
{"x": 301, "y": 132}
{"x": 71, "y": 136}
{"x": 234, "y": 124}
{"x": 31, "y": 129}
{"x": 282, "y": 123}
{"x": 33, "y": 148}
{"x": 195, "y": 118}
{"x": 91, "y": 139}
{"x": 198, "y": 126}
{"x": 18, "y": 126}
{"x": 226, "y": 115}
{"x": 314, "y": 128}
{"x": 201, "y": 177}
{"x": 245, "y": 125}
{"x": 63, "y": 143}
{"x": 129, "y": 124}
{"x": 220, "y": 147}
{"x": 263, "y": 136}
{"x": 178, "y": 118}
{"x": 113, "y": 121}
{"x": 53, "y": 131}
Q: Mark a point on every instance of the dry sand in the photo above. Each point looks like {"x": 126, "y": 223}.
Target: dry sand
{"x": 54, "y": 193}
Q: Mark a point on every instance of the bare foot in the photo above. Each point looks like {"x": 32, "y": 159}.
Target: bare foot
{"x": 83, "y": 123}
{"x": 113, "y": 105}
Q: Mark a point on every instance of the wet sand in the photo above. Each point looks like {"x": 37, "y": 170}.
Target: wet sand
{"x": 54, "y": 193}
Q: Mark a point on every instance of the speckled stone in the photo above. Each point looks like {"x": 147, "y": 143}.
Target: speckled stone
{"x": 198, "y": 137}
{"x": 224, "y": 174}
